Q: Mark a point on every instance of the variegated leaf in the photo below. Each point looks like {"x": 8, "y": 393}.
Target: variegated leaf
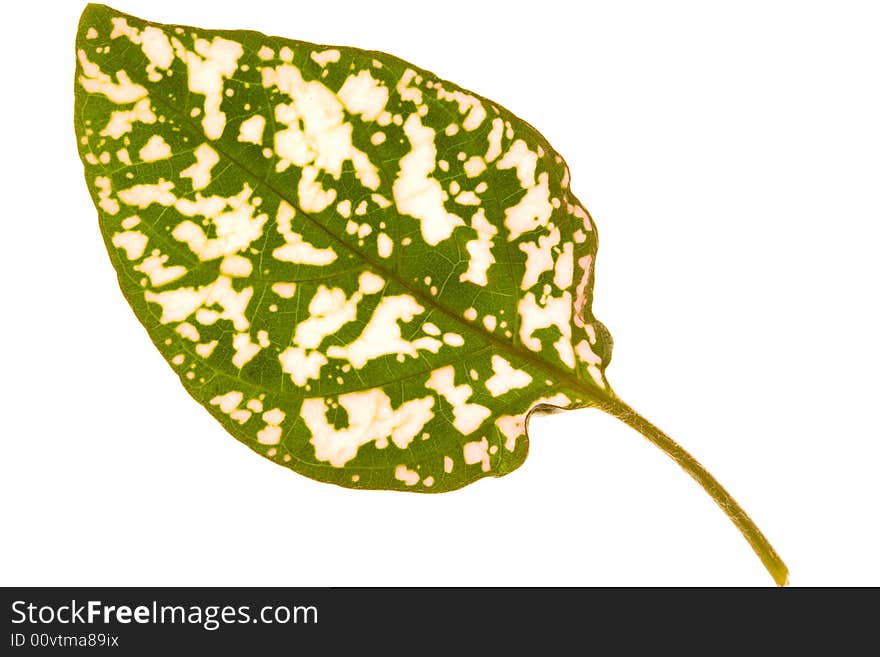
{"x": 363, "y": 271}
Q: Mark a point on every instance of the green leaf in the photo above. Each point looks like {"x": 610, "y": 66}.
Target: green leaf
{"x": 364, "y": 272}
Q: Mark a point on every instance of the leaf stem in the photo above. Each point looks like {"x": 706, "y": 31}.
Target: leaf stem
{"x": 771, "y": 560}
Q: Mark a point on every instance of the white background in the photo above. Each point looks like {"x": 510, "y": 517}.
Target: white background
{"x": 731, "y": 159}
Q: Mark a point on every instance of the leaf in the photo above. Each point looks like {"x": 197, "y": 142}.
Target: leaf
{"x": 364, "y": 272}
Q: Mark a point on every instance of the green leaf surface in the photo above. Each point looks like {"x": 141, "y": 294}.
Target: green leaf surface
{"x": 364, "y": 272}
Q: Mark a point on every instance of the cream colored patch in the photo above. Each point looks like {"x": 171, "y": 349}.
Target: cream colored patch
{"x": 317, "y": 136}
{"x": 121, "y": 92}
{"x": 153, "y": 42}
{"x": 178, "y": 304}
{"x": 251, "y": 130}
{"x": 132, "y": 241}
{"x": 467, "y": 417}
{"x": 301, "y": 365}
{"x": 494, "y": 139}
{"x": 416, "y": 192}
{"x": 381, "y": 201}
{"x": 207, "y": 67}
{"x": 245, "y": 349}
{"x": 325, "y": 57}
{"x": 555, "y": 312}
{"x": 105, "y": 202}
{"x": 363, "y": 95}
{"x": 586, "y": 355}
{"x": 206, "y": 349}
{"x": 448, "y": 464}
{"x": 229, "y": 404}
{"x": 539, "y": 257}
{"x": 122, "y": 121}
{"x": 477, "y": 452}
{"x": 284, "y": 290}
{"x": 329, "y": 311}
{"x": 467, "y": 198}
{"x": 519, "y": 157}
{"x": 489, "y": 321}
{"x": 384, "y": 245}
{"x": 271, "y": 433}
{"x": 533, "y": 210}
{"x": 480, "y": 250}
{"x": 159, "y": 275}
{"x": 296, "y": 249}
{"x": 513, "y": 428}
{"x": 407, "y": 476}
{"x": 470, "y": 314}
{"x": 371, "y": 418}
{"x": 236, "y": 266}
{"x": 505, "y": 377}
{"x": 155, "y": 149}
{"x": 468, "y": 105}
{"x": 382, "y": 335}
{"x": 564, "y": 270}
{"x": 200, "y": 172}
{"x": 312, "y": 196}
{"x": 236, "y": 229}
{"x": 145, "y": 195}
{"x": 188, "y": 331}
{"x": 474, "y": 166}
{"x": 406, "y": 91}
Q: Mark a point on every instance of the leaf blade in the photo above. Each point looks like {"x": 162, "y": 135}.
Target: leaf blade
{"x": 315, "y": 269}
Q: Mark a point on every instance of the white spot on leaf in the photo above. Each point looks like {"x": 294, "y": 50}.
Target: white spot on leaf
{"x": 155, "y": 149}
{"x": 505, "y": 377}
{"x": 370, "y": 419}
{"x": 467, "y": 417}
{"x": 251, "y": 130}
{"x": 296, "y": 249}
{"x": 539, "y": 257}
{"x": 207, "y": 67}
{"x": 477, "y": 452}
{"x": 325, "y": 57}
{"x": 159, "y": 275}
{"x": 200, "y": 172}
{"x": 362, "y": 94}
{"x": 480, "y": 250}
{"x": 284, "y": 290}
{"x": 407, "y": 476}
{"x": 382, "y": 336}
{"x": 121, "y": 92}
{"x": 133, "y": 242}
{"x": 416, "y": 193}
